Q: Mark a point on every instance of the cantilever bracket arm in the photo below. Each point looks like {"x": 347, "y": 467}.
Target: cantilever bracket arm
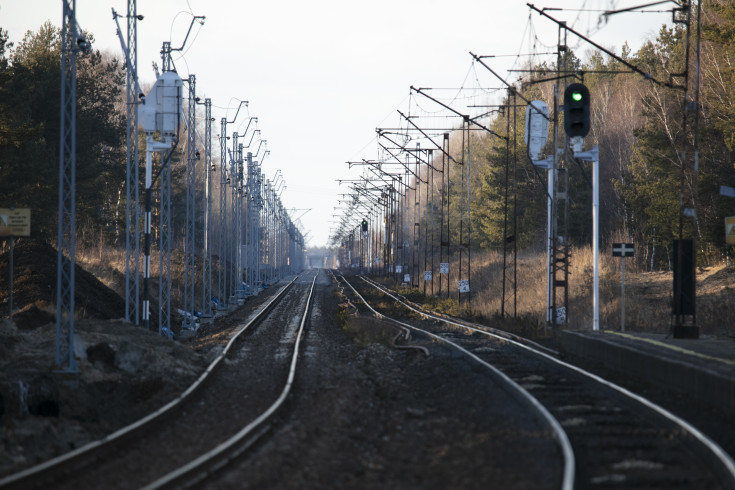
{"x": 464, "y": 116}
{"x": 479, "y": 60}
{"x": 407, "y": 150}
{"x": 126, "y": 52}
{"x": 401, "y": 163}
{"x": 201, "y": 18}
{"x": 408, "y": 119}
{"x": 252, "y": 136}
{"x": 242, "y": 102}
{"x": 248, "y": 127}
{"x": 646, "y": 75}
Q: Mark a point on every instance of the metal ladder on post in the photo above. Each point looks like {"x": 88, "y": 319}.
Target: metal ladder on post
{"x": 560, "y": 264}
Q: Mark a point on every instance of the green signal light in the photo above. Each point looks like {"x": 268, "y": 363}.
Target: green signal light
{"x": 576, "y": 96}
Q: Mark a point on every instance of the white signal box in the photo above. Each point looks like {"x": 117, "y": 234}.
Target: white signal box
{"x": 537, "y": 127}
{"x": 160, "y": 110}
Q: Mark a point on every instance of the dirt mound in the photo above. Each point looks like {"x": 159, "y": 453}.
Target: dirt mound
{"x": 34, "y": 288}
{"x": 124, "y": 372}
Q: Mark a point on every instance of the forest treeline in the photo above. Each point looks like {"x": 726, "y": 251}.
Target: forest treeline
{"x": 638, "y": 125}
{"x": 30, "y": 88}
{"x": 643, "y": 140}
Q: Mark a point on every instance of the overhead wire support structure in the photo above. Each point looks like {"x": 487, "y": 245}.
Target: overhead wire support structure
{"x": 232, "y": 224}
{"x": 444, "y": 239}
{"x": 444, "y": 242}
{"x": 510, "y": 240}
{"x": 225, "y": 229}
{"x": 72, "y": 42}
{"x": 556, "y": 190}
{"x": 161, "y": 114}
{"x": 684, "y": 304}
{"x": 207, "y": 313}
{"x": 132, "y": 186}
{"x": 252, "y": 191}
{"x": 646, "y": 75}
{"x": 465, "y": 225}
{"x": 164, "y": 285}
{"x": 189, "y": 321}
{"x": 132, "y": 183}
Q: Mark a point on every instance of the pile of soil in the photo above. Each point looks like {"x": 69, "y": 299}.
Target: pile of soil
{"x": 124, "y": 372}
{"x": 34, "y": 288}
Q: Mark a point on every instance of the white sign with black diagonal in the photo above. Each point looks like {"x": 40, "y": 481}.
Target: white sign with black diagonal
{"x": 623, "y": 250}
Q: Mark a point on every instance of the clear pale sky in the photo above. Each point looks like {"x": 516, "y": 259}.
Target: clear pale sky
{"x": 322, "y": 75}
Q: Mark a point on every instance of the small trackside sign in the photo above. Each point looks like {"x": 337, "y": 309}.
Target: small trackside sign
{"x": 730, "y": 230}
{"x": 15, "y": 222}
{"x": 623, "y": 250}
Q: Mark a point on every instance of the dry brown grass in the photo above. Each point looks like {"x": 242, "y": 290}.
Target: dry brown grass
{"x": 648, "y": 295}
{"x": 108, "y": 265}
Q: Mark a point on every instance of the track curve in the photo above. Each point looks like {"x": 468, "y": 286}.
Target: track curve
{"x": 647, "y": 457}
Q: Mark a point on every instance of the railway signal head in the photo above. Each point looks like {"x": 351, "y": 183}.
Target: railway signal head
{"x": 364, "y": 225}
{"x": 577, "y": 110}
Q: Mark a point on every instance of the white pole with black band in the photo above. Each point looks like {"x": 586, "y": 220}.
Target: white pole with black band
{"x": 594, "y": 157}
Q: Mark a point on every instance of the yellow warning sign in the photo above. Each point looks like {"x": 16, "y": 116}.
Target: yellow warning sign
{"x": 15, "y": 222}
{"x": 730, "y": 230}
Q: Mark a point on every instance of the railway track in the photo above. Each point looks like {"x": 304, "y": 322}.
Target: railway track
{"x": 582, "y": 432}
{"x": 214, "y": 421}
{"x": 618, "y": 439}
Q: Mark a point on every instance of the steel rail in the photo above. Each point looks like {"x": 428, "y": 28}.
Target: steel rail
{"x": 40, "y": 472}
{"x": 472, "y": 326}
{"x": 214, "y": 460}
{"x": 727, "y": 462}
{"x": 561, "y": 436}
{"x": 403, "y": 331}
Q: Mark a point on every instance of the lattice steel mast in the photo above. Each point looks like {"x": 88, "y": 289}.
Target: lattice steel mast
{"x": 207, "y": 251}
{"x": 132, "y": 187}
{"x": 190, "y": 245}
{"x": 72, "y": 42}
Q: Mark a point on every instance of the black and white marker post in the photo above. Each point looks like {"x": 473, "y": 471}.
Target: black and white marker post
{"x": 159, "y": 112}
{"x": 622, "y": 250}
